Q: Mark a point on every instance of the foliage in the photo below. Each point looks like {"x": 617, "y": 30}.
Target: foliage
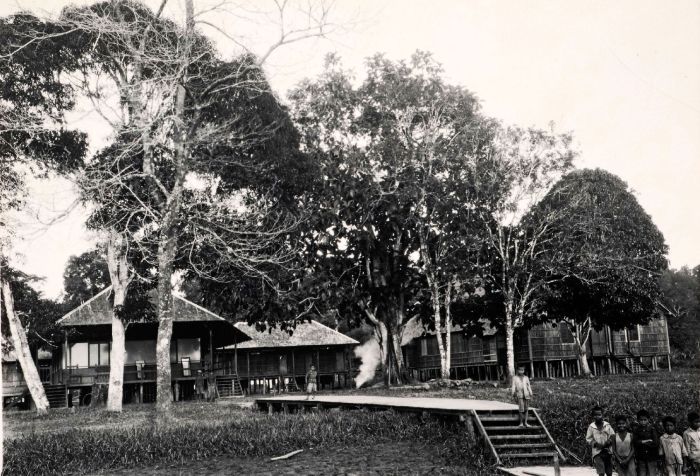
{"x": 38, "y": 315}
{"x": 242, "y": 434}
{"x": 605, "y": 254}
{"x": 84, "y": 277}
{"x": 680, "y": 303}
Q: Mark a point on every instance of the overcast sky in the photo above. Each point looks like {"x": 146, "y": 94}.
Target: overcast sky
{"x": 622, "y": 76}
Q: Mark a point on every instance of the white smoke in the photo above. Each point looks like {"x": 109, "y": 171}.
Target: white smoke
{"x": 371, "y": 355}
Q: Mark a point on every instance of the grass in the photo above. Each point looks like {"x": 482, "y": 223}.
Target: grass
{"x": 98, "y": 441}
{"x": 91, "y": 439}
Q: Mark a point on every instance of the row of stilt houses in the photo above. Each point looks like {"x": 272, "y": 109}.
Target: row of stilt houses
{"x": 546, "y": 351}
{"x": 210, "y": 356}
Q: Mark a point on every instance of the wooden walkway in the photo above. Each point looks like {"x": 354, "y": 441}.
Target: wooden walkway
{"x": 549, "y": 471}
{"x": 495, "y": 422}
{"x": 431, "y": 405}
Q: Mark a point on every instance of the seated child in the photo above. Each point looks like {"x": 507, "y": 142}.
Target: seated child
{"x": 672, "y": 449}
{"x": 622, "y": 449}
{"x": 598, "y": 436}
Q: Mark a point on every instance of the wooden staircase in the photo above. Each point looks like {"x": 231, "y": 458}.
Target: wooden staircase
{"x": 513, "y": 445}
{"x": 631, "y": 364}
{"x": 57, "y": 395}
{"x": 229, "y": 386}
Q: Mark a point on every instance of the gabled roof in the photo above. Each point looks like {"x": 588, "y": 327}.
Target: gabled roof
{"x": 310, "y": 333}
{"x": 414, "y": 328}
{"x": 98, "y": 311}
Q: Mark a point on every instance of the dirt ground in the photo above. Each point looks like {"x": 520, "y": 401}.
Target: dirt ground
{"x": 403, "y": 458}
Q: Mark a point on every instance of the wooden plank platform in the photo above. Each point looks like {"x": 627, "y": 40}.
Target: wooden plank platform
{"x": 431, "y": 405}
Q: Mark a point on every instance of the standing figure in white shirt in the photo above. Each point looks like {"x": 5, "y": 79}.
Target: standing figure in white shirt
{"x": 522, "y": 393}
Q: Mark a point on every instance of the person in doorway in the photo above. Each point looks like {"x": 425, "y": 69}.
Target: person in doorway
{"x": 672, "y": 449}
{"x": 646, "y": 445}
{"x": 598, "y": 436}
{"x": 311, "y": 386}
{"x": 622, "y": 448}
{"x": 691, "y": 438}
{"x": 522, "y": 393}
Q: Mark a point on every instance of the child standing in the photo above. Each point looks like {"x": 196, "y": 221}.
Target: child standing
{"x": 646, "y": 445}
{"x": 691, "y": 438}
{"x": 311, "y": 386}
{"x": 598, "y": 436}
{"x": 522, "y": 393}
{"x": 622, "y": 449}
{"x": 672, "y": 448}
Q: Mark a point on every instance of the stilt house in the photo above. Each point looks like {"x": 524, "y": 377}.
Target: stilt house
{"x": 545, "y": 351}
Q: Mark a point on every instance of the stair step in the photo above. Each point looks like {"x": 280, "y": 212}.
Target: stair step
{"x": 506, "y": 445}
{"x": 517, "y": 437}
{"x": 527, "y": 455}
{"x": 513, "y": 428}
{"x": 501, "y": 418}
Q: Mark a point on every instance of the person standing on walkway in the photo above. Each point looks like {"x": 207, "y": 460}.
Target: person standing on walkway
{"x": 646, "y": 445}
{"x": 311, "y": 386}
{"x": 522, "y": 393}
{"x": 672, "y": 449}
{"x": 691, "y": 438}
{"x": 622, "y": 448}
{"x": 598, "y": 436}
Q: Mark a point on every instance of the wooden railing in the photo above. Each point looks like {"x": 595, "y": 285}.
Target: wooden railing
{"x": 132, "y": 373}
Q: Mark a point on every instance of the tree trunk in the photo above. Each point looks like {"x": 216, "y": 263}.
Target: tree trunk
{"x": 581, "y": 339}
{"x": 119, "y": 276}
{"x": 19, "y": 342}
{"x": 510, "y": 347}
{"x": 166, "y": 255}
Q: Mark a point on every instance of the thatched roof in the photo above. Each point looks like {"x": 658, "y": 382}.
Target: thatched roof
{"x": 311, "y": 333}
{"x": 98, "y": 311}
{"x": 414, "y": 328}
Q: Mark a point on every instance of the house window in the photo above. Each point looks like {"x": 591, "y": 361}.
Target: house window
{"x": 565, "y": 333}
{"x": 633, "y": 334}
{"x": 98, "y": 354}
{"x": 489, "y": 349}
{"x": 79, "y": 355}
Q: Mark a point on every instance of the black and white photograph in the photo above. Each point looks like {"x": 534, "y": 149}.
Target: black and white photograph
{"x": 350, "y": 237}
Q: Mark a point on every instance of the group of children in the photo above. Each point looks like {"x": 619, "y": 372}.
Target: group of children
{"x": 634, "y": 450}
{"x": 640, "y": 450}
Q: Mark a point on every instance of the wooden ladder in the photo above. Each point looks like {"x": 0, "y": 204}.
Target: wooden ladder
{"x": 511, "y": 444}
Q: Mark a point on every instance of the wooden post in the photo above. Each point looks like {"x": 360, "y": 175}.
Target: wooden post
{"x": 141, "y": 393}
{"x": 211, "y": 352}
{"x": 247, "y": 358}
{"x": 668, "y": 359}
{"x": 529, "y": 353}
{"x": 561, "y": 364}
{"x": 285, "y": 408}
{"x": 235, "y": 353}
{"x": 546, "y": 369}
{"x": 270, "y": 408}
{"x": 557, "y": 469}
{"x": 578, "y": 367}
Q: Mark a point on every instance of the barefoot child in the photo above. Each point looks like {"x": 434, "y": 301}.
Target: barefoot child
{"x": 598, "y": 436}
{"x": 691, "y": 438}
{"x": 646, "y": 445}
{"x": 311, "y": 382}
{"x": 672, "y": 449}
{"x": 622, "y": 449}
{"x": 522, "y": 393}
